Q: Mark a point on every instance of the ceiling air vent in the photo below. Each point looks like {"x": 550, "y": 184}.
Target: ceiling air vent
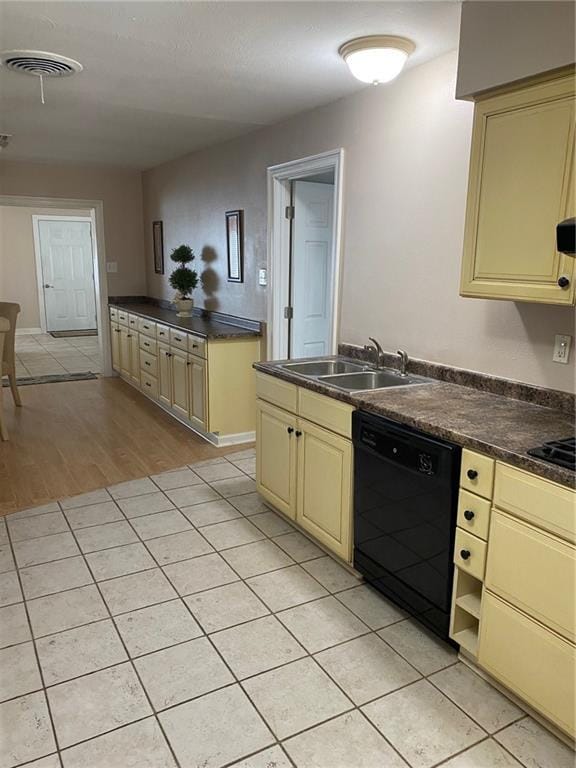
{"x": 40, "y": 63}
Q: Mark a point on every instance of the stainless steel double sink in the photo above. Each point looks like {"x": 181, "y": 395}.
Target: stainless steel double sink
{"x": 353, "y": 376}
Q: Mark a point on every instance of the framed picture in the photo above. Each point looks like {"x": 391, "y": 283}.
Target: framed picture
{"x": 158, "y": 240}
{"x": 235, "y": 246}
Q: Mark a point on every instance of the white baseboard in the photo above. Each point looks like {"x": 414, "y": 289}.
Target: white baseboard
{"x": 29, "y": 331}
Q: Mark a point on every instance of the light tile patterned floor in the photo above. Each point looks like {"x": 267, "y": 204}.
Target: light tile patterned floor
{"x": 43, "y": 355}
{"x": 157, "y": 624}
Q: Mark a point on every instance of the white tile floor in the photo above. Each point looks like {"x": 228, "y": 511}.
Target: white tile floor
{"x": 157, "y": 624}
{"x": 43, "y": 355}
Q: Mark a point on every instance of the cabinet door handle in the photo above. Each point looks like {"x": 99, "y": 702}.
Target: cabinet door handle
{"x": 298, "y": 433}
{"x": 468, "y": 514}
{"x": 188, "y": 362}
{"x": 563, "y": 281}
{"x": 290, "y": 430}
{"x": 472, "y": 474}
{"x": 464, "y": 554}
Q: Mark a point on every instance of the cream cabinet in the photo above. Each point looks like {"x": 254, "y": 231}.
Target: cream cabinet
{"x": 197, "y": 385}
{"x": 276, "y": 457}
{"x": 514, "y": 598}
{"x": 304, "y": 465}
{"x": 521, "y": 185}
{"x": 208, "y": 385}
{"x": 324, "y": 489}
{"x": 115, "y": 344}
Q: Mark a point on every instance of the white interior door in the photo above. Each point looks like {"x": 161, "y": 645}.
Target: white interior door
{"x": 67, "y": 265}
{"x": 312, "y": 269}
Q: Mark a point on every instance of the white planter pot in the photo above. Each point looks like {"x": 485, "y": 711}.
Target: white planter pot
{"x": 184, "y": 307}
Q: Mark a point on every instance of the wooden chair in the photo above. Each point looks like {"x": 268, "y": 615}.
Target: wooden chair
{"x": 9, "y": 311}
{"x": 4, "y": 330}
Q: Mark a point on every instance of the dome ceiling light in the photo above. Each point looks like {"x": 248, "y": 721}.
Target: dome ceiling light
{"x": 378, "y": 58}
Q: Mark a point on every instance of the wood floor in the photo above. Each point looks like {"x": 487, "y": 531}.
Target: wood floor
{"x": 73, "y": 437}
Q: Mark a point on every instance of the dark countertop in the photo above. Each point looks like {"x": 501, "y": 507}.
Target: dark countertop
{"x": 209, "y": 329}
{"x": 491, "y": 424}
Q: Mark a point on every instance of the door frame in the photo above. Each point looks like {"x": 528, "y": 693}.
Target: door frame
{"x": 279, "y": 178}
{"x": 96, "y": 208}
{"x": 36, "y": 218}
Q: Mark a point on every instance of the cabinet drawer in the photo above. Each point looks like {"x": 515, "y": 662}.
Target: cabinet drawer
{"x": 276, "y": 391}
{"x": 530, "y": 660}
{"x": 123, "y": 317}
{"x": 147, "y": 327}
{"x": 148, "y": 345}
{"x": 532, "y": 570}
{"x": 477, "y": 473}
{"x": 133, "y": 321}
{"x": 162, "y": 333}
{"x": 148, "y": 363}
{"x": 149, "y": 384}
{"x": 196, "y": 345}
{"x": 538, "y": 501}
{"x": 470, "y": 554}
{"x": 325, "y": 411}
{"x": 113, "y": 313}
{"x": 179, "y": 339}
{"x": 473, "y": 513}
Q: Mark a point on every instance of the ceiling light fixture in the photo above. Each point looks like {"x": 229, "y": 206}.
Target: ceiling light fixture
{"x": 378, "y": 58}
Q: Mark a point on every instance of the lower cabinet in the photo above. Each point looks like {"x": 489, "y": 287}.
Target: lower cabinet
{"x": 535, "y": 663}
{"x": 115, "y": 344}
{"x": 324, "y": 487}
{"x": 305, "y": 471}
{"x": 164, "y": 374}
{"x": 197, "y": 391}
{"x": 180, "y": 387}
{"x": 134, "y": 358}
{"x": 276, "y": 457}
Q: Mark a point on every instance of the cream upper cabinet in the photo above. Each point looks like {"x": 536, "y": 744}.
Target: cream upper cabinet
{"x": 164, "y": 374}
{"x": 180, "y": 389}
{"x": 324, "y": 487}
{"x": 197, "y": 380}
{"x": 520, "y": 188}
{"x": 276, "y": 456}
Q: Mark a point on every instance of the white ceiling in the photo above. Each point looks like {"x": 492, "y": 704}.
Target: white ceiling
{"x": 162, "y": 79}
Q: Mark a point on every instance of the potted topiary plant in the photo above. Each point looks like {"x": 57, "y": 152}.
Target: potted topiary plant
{"x": 183, "y": 280}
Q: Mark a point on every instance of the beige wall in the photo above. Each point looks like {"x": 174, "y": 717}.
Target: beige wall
{"x": 121, "y": 192}
{"x": 505, "y": 41}
{"x": 18, "y": 280}
{"x": 406, "y": 166}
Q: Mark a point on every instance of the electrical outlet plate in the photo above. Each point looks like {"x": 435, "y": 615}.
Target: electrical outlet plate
{"x": 262, "y": 277}
{"x": 111, "y": 266}
{"x": 561, "y": 348}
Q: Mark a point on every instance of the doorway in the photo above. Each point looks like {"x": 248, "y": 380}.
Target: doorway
{"x": 65, "y": 272}
{"x": 304, "y": 222}
{"x": 311, "y": 266}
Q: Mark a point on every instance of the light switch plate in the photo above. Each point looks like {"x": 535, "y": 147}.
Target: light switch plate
{"x": 111, "y": 266}
{"x": 262, "y": 277}
{"x": 561, "y": 348}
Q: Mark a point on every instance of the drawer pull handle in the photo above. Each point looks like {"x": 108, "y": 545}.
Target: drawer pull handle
{"x": 194, "y": 346}
{"x": 298, "y": 433}
{"x": 148, "y": 384}
{"x": 464, "y": 554}
{"x": 147, "y": 363}
{"x": 188, "y": 362}
{"x": 468, "y": 514}
{"x": 472, "y": 474}
{"x": 177, "y": 338}
{"x": 290, "y": 430}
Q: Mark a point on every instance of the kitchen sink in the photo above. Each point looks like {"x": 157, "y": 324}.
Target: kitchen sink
{"x": 323, "y": 367}
{"x": 366, "y": 380}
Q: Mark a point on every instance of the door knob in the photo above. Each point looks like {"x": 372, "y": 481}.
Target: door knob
{"x": 563, "y": 281}
{"x": 290, "y": 430}
{"x": 472, "y": 474}
{"x": 46, "y": 285}
{"x": 468, "y": 514}
{"x": 464, "y": 554}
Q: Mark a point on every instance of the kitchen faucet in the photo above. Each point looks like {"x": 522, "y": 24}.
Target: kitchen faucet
{"x": 403, "y": 361}
{"x": 377, "y": 349}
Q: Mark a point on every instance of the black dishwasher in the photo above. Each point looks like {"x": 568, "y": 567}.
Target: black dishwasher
{"x": 405, "y": 501}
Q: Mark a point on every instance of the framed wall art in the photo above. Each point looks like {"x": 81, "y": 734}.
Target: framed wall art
{"x": 235, "y": 245}
{"x": 158, "y": 241}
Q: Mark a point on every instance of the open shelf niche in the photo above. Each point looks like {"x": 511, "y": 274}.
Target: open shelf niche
{"x": 466, "y": 606}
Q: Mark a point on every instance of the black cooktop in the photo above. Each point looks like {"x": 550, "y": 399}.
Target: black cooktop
{"x": 561, "y": 452}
